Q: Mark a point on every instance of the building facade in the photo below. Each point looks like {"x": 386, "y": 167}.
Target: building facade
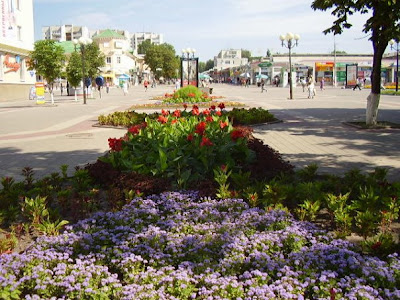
{"x": 119, "y": 58}
{"x": 230, "y": 58}
{"x": 16, "y": 42}
{"x": 139, "y": 37}
{"x": 64, "y": 33}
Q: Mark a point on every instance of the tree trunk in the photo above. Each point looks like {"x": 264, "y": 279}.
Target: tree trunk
{"x": 76, "y": 98}
{"x": 375, "y": 95}
{"x": 372, "y": 109}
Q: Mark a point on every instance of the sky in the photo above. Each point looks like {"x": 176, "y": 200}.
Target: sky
{"x": 211, "y": 25}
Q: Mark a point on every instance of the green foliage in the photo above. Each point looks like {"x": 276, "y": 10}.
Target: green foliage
{"x": 47, "y": 59}
{"x": 162, "y": 57}
{"x": 74, "y": 69}
{"x": 221, "y": 176}
{"x": 144, "y": 46}
{"x": 188, "y": 94}
{"x": 308, "y": 210}
{"x": 308, "y": 173}
{"x": 35, "y": 209}
{"x": 247, "y": 116}
{"x": 50, "y": 228}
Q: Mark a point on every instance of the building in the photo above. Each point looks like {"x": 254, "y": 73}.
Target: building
{"x": 16, "y": 42}
{"x": 120, "y": 61}
{"x": 64, "y": 33}
{"x": 231, "y": 58}
{"x": 139, "y": 37}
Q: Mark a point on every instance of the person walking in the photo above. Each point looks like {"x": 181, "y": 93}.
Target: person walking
{"x": 67, "y": 88}
{"x": 263, "y": 86}
{"x": 311, "y": 88}
{"x": 358, "y": 84}
{"x": 125, "y": 88}
{"x": 145, "y": 84}
{"x": 61, "y": 88}
{"x": 322, "y": 84}
{"x": 107, "y": 87}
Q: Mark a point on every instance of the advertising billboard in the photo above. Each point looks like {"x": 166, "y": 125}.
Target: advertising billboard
{"x": 8, "y": 29}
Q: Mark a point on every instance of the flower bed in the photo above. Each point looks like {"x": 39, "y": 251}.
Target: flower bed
{"x": 180, "y": 246}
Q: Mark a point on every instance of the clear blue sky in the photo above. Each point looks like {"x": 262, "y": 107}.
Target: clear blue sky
{"x": 209, "y": 26}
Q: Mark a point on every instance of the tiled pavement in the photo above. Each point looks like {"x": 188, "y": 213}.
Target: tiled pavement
{"x": 46, "y": 136}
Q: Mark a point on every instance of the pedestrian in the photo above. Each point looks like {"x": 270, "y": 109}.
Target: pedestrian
{"x": 358, "y": 84}
{"x": 67, "y": 88}
{"x": 263, "y": 86}
{"x": 303, "y": 84}
{"x": 61, "y": 89}
{"x": 107, "y": 87}
{"x": 311, "y": 88}
{"x": 177, "y": 84}
{"x": 125, "y": 88}
{"x": 322, "y": 83}
{"x": 145, "y": 84}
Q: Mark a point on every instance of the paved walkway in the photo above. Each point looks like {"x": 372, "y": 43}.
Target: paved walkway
{"x": 46, "y": 136}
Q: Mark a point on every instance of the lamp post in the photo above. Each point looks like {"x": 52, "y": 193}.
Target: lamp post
{"x": 83, "y": 42}
{"x": 290, "y": 41}
{"x": 186, "y": 55}
{"x": 392, "y": 42}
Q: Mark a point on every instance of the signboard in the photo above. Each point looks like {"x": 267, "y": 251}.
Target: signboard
{"x": 265, "y": 65}
{"x": 351, "y": 74}
{"x": 39, "y": 92}
{"x": 8, "y": 28}
{"x": 189, "y": 72}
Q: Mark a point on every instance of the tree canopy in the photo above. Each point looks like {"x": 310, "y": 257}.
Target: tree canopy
{"x": 382, "y": 26}
{"x": 47, "y": 59}
{"x": 246, "y": 54}
{"x": 162, "y": 57}
{"x": 142, "y": 48}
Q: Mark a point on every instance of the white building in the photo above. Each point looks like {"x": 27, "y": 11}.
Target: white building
{"x": 16, "y": 42}
{"x": 64, "y": 33}
{"x": 229, "y": 59}
{"x": 119, "y": 59}
{"x": 139, "y": 37}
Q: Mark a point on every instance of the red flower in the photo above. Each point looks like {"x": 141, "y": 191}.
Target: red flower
{"x": 200, "y": 128}
{"x": 184, "y": 106}
{"x": 209, "y": 119}
{"x": 212, "y": 107}
{"x": 195, "y": 112}
{"x": 191, "y": 95}
{"x": 332, "y": 291}
{"x": 221, "y": 105}
{"x": 206, "y": 112}
{"x": 115, "y": 144}
{"x": 162, "y": 119}
{"x": 376, "y": 246}
{"x": 165, "y": 112}
{"x": 236, "y": 134}
{"x": 195, "y": 107}
{"x": 177, "y": 113}
{"x": 190, "y": 137}
{"x": 174, "y": 121}
{"x": 223, "y": 124}
{"x": 224, "y": 168}
{"x": 218, "y": 113}
{"x": 205, "y": 142}
{"x": 134, "y": 129}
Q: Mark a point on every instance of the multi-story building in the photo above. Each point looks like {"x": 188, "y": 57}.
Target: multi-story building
{"x": 230, "y": 58}
{"x": 64, "y": 33}
{"x": 120, "y": 62}
{"x": 139, "y": 37}
{"x": 16, "y": 42}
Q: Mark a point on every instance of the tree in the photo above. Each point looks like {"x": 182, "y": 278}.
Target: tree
{"x": 74, "y": 70}
{"x": 47, "y": 58}
{"x": 382, "y": 26}
{"x": 202, "y": 66}
{"x": 209, "y": 64}
{"x": 246, "y": 54}
{"x": 142, "y": 48}
{"x": 162, "y": 57}
{"x": 94, "y": 60}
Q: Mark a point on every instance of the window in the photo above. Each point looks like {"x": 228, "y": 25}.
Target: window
{"x": 106, "y": 45}
{"x": 118, "y": 60}
{"x": 108, "y": 60}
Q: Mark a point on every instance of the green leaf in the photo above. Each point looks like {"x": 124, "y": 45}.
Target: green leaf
{"x": 163, "y": 160}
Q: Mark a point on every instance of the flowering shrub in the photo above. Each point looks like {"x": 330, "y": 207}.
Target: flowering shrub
{"x": 187, "y": 94}
{"x": 178, "y": 246}
{"x": 183, "y": 145}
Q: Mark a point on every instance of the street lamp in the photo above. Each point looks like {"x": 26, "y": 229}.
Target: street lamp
{"x": 290, "y": 41}
{"x": 83, "y": 42}
{"x": 391, "y": 43}
{"x": 187, "y": 52}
